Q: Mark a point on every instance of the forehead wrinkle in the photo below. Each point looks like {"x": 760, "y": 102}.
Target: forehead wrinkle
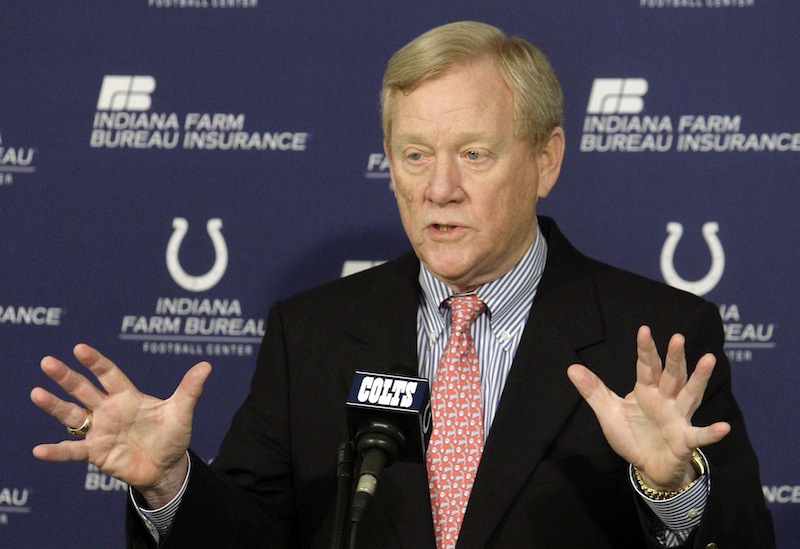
{"x": 431, "y": 117}
{"x": 459, "y": 139}
{"x": 478, "y": 137}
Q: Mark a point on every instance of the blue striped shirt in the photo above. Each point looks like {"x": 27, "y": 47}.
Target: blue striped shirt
{"x": 497, "y": 332}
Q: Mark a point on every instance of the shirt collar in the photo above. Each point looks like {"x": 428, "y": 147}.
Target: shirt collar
{"x": 503, "y": 296}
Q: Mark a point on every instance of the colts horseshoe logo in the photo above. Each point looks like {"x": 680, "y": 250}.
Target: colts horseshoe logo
{"x": 710, "y": 280}
{"x": 208, "y": 280}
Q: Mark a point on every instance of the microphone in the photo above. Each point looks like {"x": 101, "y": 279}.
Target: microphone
{"x": 389, "y": 417}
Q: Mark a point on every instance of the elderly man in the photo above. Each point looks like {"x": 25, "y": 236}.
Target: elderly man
{"x": 472, "y": 130}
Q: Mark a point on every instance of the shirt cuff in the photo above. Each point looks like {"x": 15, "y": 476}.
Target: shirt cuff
{"x": 158, "y": 521}
{"x": 682, "y": 513}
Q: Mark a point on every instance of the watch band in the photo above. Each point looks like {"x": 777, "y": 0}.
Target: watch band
{"x": 698, "y": 464}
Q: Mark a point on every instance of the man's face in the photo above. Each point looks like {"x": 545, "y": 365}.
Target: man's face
{"x": 465, "y": 186}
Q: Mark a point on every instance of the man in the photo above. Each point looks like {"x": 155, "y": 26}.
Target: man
{"x": 472, "y": 129}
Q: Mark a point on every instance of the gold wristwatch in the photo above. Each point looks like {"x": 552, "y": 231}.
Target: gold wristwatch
{"x": 698, "y": 464}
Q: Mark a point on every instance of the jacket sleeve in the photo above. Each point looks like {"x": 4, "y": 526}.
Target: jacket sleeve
{"x": 245, "y": 498}
{"x": 735, "y": 514}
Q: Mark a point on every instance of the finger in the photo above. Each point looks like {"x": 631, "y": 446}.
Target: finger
{"x": 68, "y": 413}
{"x": 66, "y": 450}
{"x": 72, "y": 382}
{"x": 648, "y": 363}
{"x": 691, "y": 396}
{"x": 107, "y": 373}
{"x": 673, "y": 377}
{"x": 705, "y": 436}
{"x": 591, "y": 387}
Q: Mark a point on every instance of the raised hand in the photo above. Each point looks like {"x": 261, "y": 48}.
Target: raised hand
{"x": 651, "y": 427}
{"x": 133, "y": 437}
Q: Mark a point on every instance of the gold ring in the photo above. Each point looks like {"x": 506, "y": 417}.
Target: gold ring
{"x": 84, "y": 428}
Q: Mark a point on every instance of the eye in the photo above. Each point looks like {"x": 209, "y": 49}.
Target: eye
{"x": 415, "y": 160}
{"x": 473, "y": 154}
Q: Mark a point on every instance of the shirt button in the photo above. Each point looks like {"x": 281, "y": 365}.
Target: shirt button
{"x": 693, "y": 513}
{"x": 505, "y": 335}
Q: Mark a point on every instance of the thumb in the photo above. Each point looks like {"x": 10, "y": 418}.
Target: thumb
{"x": 583, "y": 379}
{"x": 591, "y": 387}
{"x": 191, "y": 386}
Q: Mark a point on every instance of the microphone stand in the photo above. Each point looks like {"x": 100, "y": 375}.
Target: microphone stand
{"x": 344, "y": 474}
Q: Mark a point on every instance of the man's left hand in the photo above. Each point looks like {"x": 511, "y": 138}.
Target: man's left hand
{"x": 651, "y": 428}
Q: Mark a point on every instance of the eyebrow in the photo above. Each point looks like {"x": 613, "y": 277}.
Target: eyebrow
{"x": 463, "y": 138}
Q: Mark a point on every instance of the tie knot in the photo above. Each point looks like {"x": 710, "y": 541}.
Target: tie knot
{"x": 465, "y": 309}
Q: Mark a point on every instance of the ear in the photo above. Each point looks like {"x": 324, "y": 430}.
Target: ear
{"x": 550, "y": 161}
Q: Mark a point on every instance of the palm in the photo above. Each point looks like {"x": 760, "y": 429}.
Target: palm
{"x": 134, "y": 437}
{"x": 651, "y": 427}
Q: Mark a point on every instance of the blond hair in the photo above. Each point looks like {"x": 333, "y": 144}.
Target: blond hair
{"x": 538, "y": 101}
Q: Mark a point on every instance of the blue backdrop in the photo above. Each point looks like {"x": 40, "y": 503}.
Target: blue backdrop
{"x": 169, "y": 168}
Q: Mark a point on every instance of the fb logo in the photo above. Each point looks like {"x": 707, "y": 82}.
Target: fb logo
{"x": 126, "y": 93}
{"x": 617, "y": 96}
{"x": 208, "y": 280}
{"x": 712, "y": 278}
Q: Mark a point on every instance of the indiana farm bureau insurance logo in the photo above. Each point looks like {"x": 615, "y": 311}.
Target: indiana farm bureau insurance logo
{"x": 124, "y": 120}
{"x": 616, "y": 121}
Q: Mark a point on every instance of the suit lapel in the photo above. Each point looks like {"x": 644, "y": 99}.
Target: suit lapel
{"x": 538, "y": 397}
{"x": 387, "y": 336}
{"x": 382, "y": 321}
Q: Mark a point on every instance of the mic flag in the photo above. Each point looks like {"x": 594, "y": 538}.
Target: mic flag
{"x": 400, "y": 401}
{"x": 389, "y": 419}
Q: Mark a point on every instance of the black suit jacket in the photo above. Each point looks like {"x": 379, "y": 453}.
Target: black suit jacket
{"x": 547, "y": 477}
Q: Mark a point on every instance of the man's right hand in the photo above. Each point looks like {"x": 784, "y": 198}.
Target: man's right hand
{"x": 133, "y": 437}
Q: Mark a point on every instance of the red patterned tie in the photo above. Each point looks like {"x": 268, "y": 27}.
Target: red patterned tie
{"x": 456, "y": 443}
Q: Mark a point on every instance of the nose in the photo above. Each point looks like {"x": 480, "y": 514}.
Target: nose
{"x": 444, "y": 185}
